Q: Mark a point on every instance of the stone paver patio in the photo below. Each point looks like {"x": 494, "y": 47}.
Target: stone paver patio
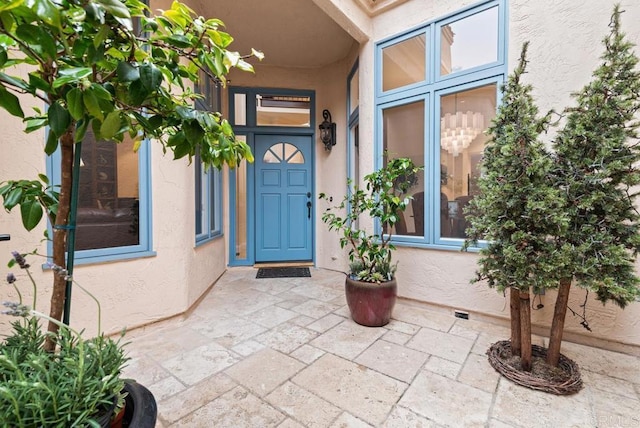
{"x": 284, "y": 353}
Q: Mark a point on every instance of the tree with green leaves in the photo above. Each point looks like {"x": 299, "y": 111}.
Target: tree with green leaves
{"x": 555, "y": 219}
{"x": 115, "y": 68}
{"x": 598, "y": 153}
{"x": 518, "y": 209}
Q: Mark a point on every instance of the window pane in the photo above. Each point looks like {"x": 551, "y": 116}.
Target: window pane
{"x": 213, "y": 176}
{"x": 292, "y": 154}
{"x": 199, "y": 196}
{"x": 108, "y": 203}
{"x": 469, "y": 42}
{"x": 354, "y": 91}
{"x": 240, "y": 109}
{"x": 355, "y": 160}
{"x": 283, "y": 110}
{"x": 241, "y": 206}
{"x": 404, "y": 63}
{"x": 464, "y": 116}
{"x": 274, "y": 154}
{"x": 355, "y": 150}
{"x": 403, "y": 136}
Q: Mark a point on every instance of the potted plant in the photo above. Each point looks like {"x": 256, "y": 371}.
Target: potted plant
{"x": 113, "y": 68}
{"x": 370, "y": 285}
{"x": 78, "y": 384}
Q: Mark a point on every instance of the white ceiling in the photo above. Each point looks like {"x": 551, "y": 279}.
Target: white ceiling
{"x": 291, "y": 33}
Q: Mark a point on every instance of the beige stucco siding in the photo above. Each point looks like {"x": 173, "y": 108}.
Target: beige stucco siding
{"x": 565, "y": 46}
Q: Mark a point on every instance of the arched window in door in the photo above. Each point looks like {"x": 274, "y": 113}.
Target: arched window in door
{"x": 283, "y": 152}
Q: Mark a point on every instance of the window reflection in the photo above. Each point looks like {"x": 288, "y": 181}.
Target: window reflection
{"x": 283, "y": 110}
{"x": 469, "y": 42}
{"x": 403, "y": 136}
{"x": 404, "y": 63}
{"x": 108, "y": 202}
{"x": 283, "y": 152}
{"x": 241, "y": 206}
{"x": 240, "y": 109}
{"x": 354, "y": 91}
{"x": 464, "y": 117}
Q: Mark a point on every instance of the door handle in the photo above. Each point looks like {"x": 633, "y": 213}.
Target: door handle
{"x": 309, "y": 208}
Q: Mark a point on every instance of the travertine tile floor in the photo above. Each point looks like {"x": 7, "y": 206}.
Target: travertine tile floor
{"x": 284, "y": 353}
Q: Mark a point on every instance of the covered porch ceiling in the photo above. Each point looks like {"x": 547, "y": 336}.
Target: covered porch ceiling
{"x": 291, "y": 33}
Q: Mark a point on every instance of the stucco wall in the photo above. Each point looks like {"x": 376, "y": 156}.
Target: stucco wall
{"x": 132, "y": 292}
{"x": 565, "y": 45}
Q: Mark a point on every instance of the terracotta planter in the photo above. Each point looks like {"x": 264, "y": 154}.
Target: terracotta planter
{"x": 371, "y": 304}
{"x": 116, "y": 422}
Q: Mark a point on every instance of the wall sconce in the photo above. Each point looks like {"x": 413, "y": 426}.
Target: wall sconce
{"x": 327, "y": 131}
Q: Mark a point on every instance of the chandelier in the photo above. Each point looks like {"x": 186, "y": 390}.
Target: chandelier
{"x": 458, "y": 130}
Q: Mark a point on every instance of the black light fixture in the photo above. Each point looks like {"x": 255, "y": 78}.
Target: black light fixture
{"x": 327, "y": 131}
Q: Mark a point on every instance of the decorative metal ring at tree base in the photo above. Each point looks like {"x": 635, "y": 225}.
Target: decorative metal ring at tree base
{"x": 501, "y": 359}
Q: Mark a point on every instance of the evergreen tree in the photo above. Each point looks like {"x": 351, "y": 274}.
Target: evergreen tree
{"x": 597, "y": 167}
{"x": 518, "y": 208}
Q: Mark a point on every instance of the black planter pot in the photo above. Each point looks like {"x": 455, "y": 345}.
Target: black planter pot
{"x": 104, "y": 419}
{"x": 141, "y": 410}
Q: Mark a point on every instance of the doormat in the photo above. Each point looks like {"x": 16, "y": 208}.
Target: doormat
{"x": 284, "y": 272}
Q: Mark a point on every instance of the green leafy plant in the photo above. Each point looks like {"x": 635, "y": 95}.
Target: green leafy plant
{"x": 68, "y": 387}
{"x": 569, "y": 216}
{"x": 597, "y": 156}
{"x": 116, "y": 68}
{"x": 35, "y": 197}
{"x": 519, "y": 208}
{"x": 383, "y": 199}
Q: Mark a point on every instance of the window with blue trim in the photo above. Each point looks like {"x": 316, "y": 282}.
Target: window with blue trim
{"x": 436, "y": 94}
{"x": 208, "y": 197}
{"x": 353, "y": 119}
{"x": 113, "y": 218}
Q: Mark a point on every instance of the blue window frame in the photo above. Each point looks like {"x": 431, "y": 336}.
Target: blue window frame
{"x": 437, "y": 89}
{"x": 114, "y": 202}
{"x": 208, "y": 201}
{"x": 353, "y": 119}
{"x": 208, "y": 191}
{"x": 114, "y": 207}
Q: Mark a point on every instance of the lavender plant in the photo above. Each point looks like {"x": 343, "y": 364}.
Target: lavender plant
{"x": 68, "y": 387}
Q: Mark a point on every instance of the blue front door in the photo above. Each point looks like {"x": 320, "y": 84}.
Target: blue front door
{"x": 284, "y": 202}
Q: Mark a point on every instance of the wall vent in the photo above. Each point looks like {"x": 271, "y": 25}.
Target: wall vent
{"x": 461, "y": 314}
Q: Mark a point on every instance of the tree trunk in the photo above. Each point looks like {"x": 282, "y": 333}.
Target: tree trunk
{"x": 557, "y": 326}
{"x": 516, "y": 340}
{"x": 525, "y": 331}
{"x": 60, "y": 234}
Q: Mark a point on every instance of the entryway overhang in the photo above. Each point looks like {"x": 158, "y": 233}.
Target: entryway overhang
{"x": 291, "y": 33}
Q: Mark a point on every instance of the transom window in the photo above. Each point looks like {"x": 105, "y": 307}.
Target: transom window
{"x": 403, "y": 63}
{"x": 282, "y": 108}
{"x": 469, "y": 42}
{"x": 435, "y": 98}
